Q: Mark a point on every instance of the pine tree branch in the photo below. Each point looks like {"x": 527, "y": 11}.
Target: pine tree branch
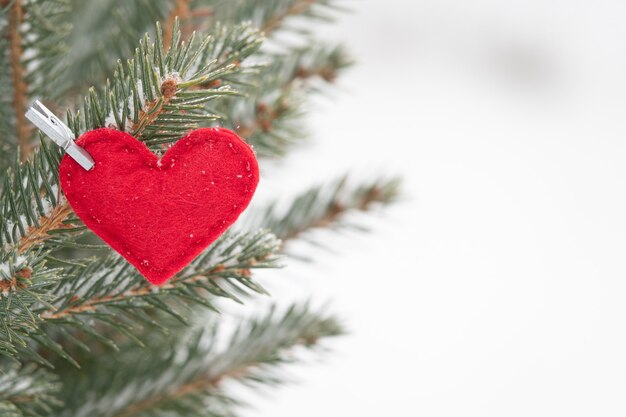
{"x": 251, "y": 354}
{"x": 362, "y": 201}
{"x": 299, "y": 328}
{"x": 19, "y": 85}
{"x": 324, "y": 206}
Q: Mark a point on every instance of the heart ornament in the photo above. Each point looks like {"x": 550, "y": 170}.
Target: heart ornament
{"x": 159, "y": 214}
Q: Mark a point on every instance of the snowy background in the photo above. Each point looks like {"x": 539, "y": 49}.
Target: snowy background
{"x": 498, "y": 286}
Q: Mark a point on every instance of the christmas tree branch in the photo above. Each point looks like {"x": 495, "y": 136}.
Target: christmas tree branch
{"x": 324, "y": 206}
{"x": 19, "y": 85}
{"x": 251, "y": 354}
{"x": 360, "y": 199}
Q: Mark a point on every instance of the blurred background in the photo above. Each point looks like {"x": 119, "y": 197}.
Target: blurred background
{"x": 496, "y": 287}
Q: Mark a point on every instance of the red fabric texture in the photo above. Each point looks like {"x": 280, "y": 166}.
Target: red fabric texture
{"x": 160, "y": 214}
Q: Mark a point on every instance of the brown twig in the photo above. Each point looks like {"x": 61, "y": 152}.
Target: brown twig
{"x": 19, "y": 85}
{"x": 93, "y": 303}
{"x": 36, "y": 235}
{"x": 21, "y": 399}
{"x": 155, "y": 107}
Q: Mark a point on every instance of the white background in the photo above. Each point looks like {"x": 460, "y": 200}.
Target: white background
{"x": 498, "y": 286}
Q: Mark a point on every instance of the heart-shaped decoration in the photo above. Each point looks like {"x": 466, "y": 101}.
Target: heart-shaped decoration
{"x": 160, "y": 214}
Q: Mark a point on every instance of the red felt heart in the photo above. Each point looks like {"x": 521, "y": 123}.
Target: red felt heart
{"x": 160, "y": 214}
